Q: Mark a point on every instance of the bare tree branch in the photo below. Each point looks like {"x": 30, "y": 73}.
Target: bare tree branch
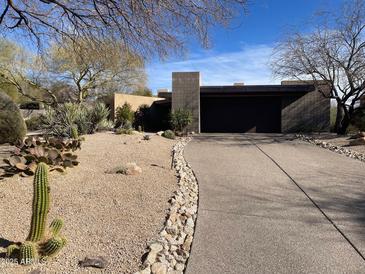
{"x": 147, "y": 27}
{"x": 333, "y": 54}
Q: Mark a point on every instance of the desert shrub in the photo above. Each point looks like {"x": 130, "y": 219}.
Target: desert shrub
{"x": 87, "y": 119}
{"x": 35, "y": 122}
{"x": 12, "y": 125}
{"x": 125, "y": 128}
{"x": 124, "y": 114}
{"x": 120, "y": 130}
{"x": 180, "y": 119}
{"x": 169, "y": 134}
{"x": 98, "y": 114}
{"x": 61, "y": 120}
{"x": 108, "y": 101}
{"x": 106, "y": 125}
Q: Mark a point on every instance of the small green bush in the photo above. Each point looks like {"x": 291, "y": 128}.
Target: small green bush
{"x": 123, "y": 115}
{"x": 180, "y": 119}
{"x": 169, "y": 134}
{"x": 12, "y": 125}
{"x": 35, "y": 122}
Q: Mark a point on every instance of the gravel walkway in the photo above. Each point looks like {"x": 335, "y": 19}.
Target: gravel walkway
{"x": 109, "y": 215}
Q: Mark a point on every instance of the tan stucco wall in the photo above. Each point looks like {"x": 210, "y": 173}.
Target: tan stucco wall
{"x": 134, "y": 100}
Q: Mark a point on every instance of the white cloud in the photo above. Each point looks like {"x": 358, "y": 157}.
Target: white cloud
{"x": 249, "y": 65}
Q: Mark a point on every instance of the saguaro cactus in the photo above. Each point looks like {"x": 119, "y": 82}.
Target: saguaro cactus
{"x": 40, "y": 204}
{"x": 39, "y": 243}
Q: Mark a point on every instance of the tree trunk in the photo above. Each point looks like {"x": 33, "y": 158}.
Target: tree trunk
{"x": 343, "y": 118}
{"x": 344, "y": 125}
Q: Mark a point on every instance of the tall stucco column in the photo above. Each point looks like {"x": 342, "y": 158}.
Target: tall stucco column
{"x": 186, "y": 95}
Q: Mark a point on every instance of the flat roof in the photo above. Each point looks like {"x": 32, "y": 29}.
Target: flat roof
{"x": 256, "y": 90}
{"x": 250, "y": 90}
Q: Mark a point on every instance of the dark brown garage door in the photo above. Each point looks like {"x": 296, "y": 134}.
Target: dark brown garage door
{"x": 240, "y": 114}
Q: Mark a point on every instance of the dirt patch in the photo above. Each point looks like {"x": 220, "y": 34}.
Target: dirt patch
{"x": 109, "y": 215}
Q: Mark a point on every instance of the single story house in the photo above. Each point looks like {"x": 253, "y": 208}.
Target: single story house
{"x": 290, "y": 107}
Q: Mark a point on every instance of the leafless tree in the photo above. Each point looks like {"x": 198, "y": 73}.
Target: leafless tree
{"x": 145, "y": 26}
{"x": 333, "y": 56}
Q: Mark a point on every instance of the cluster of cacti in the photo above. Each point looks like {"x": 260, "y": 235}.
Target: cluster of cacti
{"x": 52, "y": 151}
{"x": 40, "y": 244}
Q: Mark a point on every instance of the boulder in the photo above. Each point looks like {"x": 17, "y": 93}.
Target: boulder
{"x": 96, "y": 262}
{"x": 132, "y": 169}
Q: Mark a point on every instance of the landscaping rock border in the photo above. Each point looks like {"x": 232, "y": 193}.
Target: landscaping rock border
{"x": 169, "y": 254}
{"x": 338, "y": 149}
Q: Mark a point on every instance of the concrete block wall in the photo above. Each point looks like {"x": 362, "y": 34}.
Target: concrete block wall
{"x": 307, "y": 113}
{"x": 186, "y": 95}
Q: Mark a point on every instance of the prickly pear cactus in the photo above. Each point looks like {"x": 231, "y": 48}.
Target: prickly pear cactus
{"x": 40, "y": 204}
{"x": 27, "y": 253}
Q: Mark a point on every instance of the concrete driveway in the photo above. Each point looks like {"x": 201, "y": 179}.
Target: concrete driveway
{"x": 269, "y": 204}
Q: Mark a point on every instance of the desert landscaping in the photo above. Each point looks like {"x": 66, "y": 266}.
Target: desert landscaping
{"x": 105, "y": 214}
{"x": 182, "y": 137}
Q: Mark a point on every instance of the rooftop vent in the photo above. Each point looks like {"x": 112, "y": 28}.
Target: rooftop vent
{"x": 239, "y": 84}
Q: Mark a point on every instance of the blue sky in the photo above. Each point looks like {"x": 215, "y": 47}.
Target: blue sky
{"x": 242, "y": 52}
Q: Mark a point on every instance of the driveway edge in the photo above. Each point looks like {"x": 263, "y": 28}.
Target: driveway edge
{"x": 338, "y": 149}
{"x": 170, "y": 253}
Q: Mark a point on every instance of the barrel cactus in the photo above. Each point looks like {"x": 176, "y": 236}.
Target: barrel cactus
{"x": 39, "y": 243}
{"x": 12, "y": 125}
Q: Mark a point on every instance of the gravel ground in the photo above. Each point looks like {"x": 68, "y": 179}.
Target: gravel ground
{"x": 336, "y": 140}
{"x": 110, "y": 215}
